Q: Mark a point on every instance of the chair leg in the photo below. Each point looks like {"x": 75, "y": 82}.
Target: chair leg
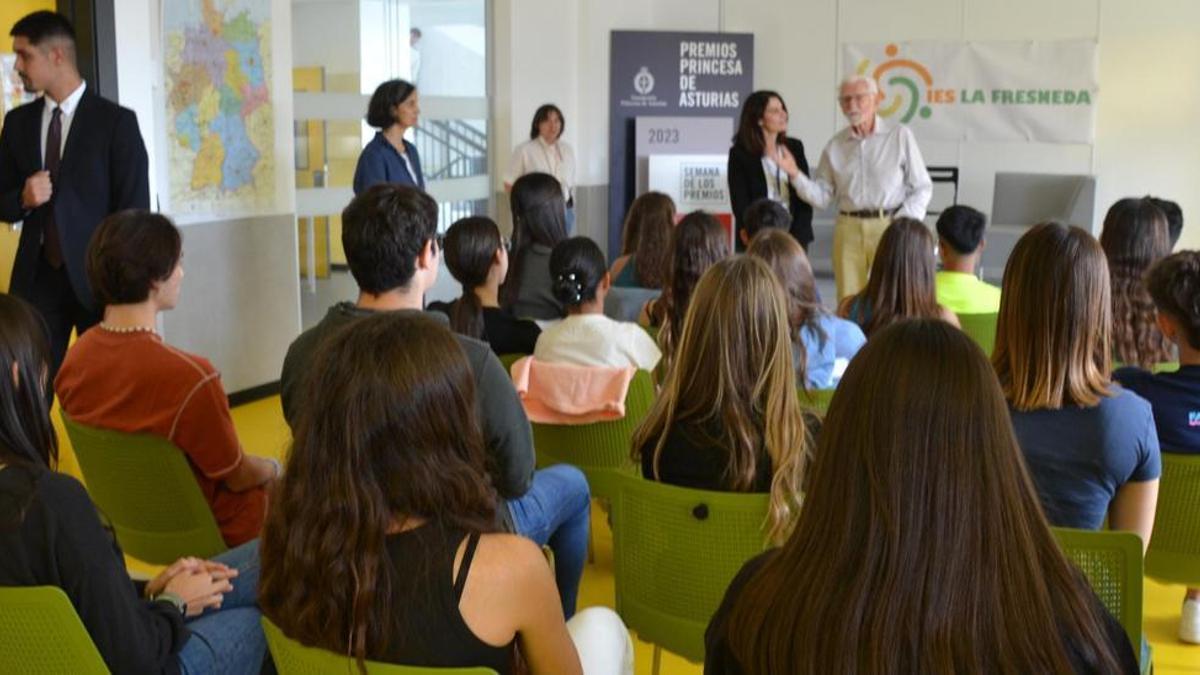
{"x": 591, "y": 547}
{"x": 657, "y": 659}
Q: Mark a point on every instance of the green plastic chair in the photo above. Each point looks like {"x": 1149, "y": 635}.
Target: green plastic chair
{"x": 981, "y": 328}
{"x": 600, "y": 449}
{"x": 1165, "y": 367}
{"x": 1174, "y": 553}
{"x": 816, "y": 400}
{"x": 1112, "y": 563}
{"x": 145, "y": 488}
{"x": 507, "y": 360}
{"x": 675, "y": 550}
{"x": 293, "y": 658}
{"x": 41, "y": 633}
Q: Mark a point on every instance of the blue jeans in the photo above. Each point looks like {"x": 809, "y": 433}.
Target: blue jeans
{"x": 556, "y": 511}
{"x": 570, "y": 221}
{"x": 229, "y": 639}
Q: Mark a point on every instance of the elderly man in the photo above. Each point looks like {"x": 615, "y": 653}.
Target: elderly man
{"x": 874, "y": 171}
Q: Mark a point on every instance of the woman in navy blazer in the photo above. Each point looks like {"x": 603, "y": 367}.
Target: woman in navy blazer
{"x": 761, "y": 142}
{"x": 388, "y": 158}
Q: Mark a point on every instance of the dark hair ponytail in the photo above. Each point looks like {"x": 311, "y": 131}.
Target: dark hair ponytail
{"x": 471, "y": 245}
{"x": 576, "y": 270}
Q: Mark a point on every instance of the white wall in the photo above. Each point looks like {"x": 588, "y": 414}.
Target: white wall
{"x": 326, "y": 34}
{"x": 240, "y": 302}
{"x": 557, "y": 50}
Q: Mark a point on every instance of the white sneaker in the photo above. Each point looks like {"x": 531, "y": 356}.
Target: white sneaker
{"x": 1189, "y": 622}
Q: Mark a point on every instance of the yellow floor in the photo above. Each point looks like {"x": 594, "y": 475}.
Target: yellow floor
{"x": 263, "y": 431}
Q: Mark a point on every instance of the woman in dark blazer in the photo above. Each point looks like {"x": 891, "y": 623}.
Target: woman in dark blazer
{"x": 388, "y": 158}
{"x": 758, "y": 162}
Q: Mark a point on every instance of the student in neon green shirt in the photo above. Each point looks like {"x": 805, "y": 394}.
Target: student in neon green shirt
{"x": 960, "y": 241}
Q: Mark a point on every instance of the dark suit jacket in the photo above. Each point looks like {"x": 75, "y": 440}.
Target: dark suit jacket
{"x": 747, "y": 183}
{"x": 104, "y": 169}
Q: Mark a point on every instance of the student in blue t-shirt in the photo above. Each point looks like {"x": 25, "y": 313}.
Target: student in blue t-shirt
{"x": 1174, "y": 284}
{"x": 822, "y": 344}
{"x": 1090, "y": 445}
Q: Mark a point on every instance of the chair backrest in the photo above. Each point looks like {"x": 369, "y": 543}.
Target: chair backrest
{"x": 1174, "y": 553}
{"x": 293, "y": 658}
{"x": 600, "y": 449}
{"x": 625, "y": 304}
{"x": 41, "y": 633}
{"x": 675, "y": 550}
{"x": 816, "y": 400}
{"x": 1112, "y": 563}
{"x": 981, "y": 328}
{"x": 144, "y": 486}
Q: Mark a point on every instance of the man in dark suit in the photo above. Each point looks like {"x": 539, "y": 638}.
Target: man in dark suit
{"x": 67, "y": 160}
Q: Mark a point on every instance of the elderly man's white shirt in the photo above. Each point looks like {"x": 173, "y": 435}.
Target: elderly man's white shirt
{"x": 881, "y": 170}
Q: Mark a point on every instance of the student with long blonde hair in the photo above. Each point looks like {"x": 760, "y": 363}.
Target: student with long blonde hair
{"x": 921, "y": 547}
{"x": 1090, "y": 445}
{"x": 728, "y": 417}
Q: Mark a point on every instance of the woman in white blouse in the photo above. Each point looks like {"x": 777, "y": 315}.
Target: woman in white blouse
{"x": 546, "y": 152}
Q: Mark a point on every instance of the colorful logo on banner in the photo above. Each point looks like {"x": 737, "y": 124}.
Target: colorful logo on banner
{"x": 910, "y": 82}
{"x": 907, "y": 85}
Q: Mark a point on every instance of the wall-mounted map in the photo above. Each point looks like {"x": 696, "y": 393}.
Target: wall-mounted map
{"x": 220, "y": 125}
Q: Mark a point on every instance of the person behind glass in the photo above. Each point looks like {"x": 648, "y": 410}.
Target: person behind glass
{"x": 477, "y": 257}
{"x": 539, "y": 224}
{"x": 196, "y": 616}
{"x": 1090, "y": 445}
{"x": 1134, "y": 236}
{"x": 903, "y": 560}
{"x": 388, "y": 158}
{"x": 763, "y": 161}
{"x": 645, "y": 243}
{"x": 587, "y": 337}
{"x": 123, "y": 376}
{"x": 728, "y": 417}
{"x": 697, "y": 243}
{"x": 1174, "y": 397}
{"x": 819, "y": 339}
{"x": 382, "y": 540}
{"x": 546, "y": 152}
{"x": 902, "y": 281}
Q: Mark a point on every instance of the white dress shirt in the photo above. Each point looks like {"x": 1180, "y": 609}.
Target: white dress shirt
{"x": 538, "y": 156}
{"x": 69, "y": 104}
{"x": 881, "y": 171}
{"x": 777, "y": 183}
{"x": 596, "y": 340}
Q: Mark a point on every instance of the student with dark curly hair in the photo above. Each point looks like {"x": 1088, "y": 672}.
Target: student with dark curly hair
{"x": 1134, "y": 237}
{"x": 1174, "y": 284}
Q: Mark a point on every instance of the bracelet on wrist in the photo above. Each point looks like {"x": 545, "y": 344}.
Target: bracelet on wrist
{"x": 174, "y": 600}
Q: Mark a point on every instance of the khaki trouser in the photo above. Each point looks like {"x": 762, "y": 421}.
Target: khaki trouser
{"x": 854, "y": 244}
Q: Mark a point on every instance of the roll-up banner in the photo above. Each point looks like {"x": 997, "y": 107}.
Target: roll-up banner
{"x": 668, "y": 75}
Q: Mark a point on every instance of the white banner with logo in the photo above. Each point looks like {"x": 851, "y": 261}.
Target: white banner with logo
{"x": 985, "y": 91}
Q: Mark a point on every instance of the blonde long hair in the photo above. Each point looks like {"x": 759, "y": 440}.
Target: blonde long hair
{"x": 733, "y": 370}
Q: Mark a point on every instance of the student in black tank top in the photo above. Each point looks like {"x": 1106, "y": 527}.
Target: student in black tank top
{"x": 381, "y": 541}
